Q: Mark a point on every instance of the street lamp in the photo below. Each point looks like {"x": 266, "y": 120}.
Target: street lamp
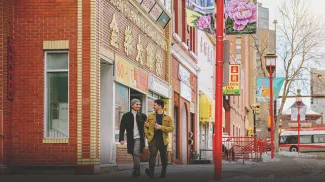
{"x": 270, "y": 63}
{"x": 299, "y": 101}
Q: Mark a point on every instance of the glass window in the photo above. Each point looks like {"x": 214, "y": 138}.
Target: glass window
{"x": 57, "y": 95}
{"x": 304, "y": 139}
{"x": 121, "y": 107}
{"x": 150, "y": 105}
{"x": 289, "y": 139}
{"x": 319, "y": 138}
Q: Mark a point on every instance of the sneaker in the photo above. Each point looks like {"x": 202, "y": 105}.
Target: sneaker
{"x": 149, "y": 173}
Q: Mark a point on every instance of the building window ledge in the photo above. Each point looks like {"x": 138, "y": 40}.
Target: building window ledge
{"x": 193, "y": 55}
{"x": 184, "y": 45}
{"x": 178, "y": 39}
{"x": 56, "y": 140}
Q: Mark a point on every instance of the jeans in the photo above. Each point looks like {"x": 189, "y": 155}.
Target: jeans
{"x": 154, "y": 146}
{"x": 136, "y": 155}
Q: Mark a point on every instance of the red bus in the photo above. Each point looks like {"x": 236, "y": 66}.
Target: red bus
{"x": 311, "y": 139}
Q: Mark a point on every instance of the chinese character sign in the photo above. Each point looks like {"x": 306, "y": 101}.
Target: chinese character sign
{"x": 240, "y": 17}
{"x": 263, "y": 88}
{"x": 234, "y": 82}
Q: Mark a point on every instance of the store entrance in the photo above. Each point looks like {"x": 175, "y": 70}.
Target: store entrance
{"x": 141, "y": 97}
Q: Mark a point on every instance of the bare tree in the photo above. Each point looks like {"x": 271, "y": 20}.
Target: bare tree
{"x": 301, "y": 36}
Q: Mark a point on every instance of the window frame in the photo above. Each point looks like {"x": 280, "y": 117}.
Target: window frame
{"x": 46, "y": 52}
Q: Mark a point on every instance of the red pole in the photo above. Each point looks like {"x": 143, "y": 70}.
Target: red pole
{"x": 217, "y": 150}
{"x": 298, "y": 128}
{"x": 271, "y": 113}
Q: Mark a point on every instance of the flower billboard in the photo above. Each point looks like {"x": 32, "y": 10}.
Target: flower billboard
{"x": 200, "y": 14}
{"x": 240, "y": 17}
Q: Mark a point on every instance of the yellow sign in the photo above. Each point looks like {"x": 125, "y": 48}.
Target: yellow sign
{"x": 130, "y": 75}
{"x": 234, "y": 81}
{"x": 205, "y": 108}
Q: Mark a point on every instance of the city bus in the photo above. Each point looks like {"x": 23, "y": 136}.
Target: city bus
{"x": 311, "y": 140}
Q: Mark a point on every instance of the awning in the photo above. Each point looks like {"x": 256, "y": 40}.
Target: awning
{"x": 206, "y": 108}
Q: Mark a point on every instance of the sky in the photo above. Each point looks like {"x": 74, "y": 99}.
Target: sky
{"x": 317, "y": 7}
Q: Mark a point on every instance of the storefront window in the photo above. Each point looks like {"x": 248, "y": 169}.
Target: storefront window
{"x": 57, "y": 95}
{"x": 121, "y": 107}
{"x": 150, "y": 105}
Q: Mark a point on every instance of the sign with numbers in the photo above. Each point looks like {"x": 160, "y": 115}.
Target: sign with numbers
{"x": 234, "y": 81}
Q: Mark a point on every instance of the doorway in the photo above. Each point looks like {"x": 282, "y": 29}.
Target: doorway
{"x": 107, "y": 105}
{"x": 184, "y": 134}
{"x": 138, "y": 95}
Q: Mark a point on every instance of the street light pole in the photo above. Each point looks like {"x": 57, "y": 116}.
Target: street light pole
{"x": 271, "y": 113}
{"x": 270, "y": 63}
{"x": 299, "y": 101}
{"x": 217, "y": 149}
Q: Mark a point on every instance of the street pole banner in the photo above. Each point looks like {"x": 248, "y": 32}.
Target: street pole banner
{"x": 240, "y": 17}
{"x": 200, "y": 14}
{"x": 263, "y": 88}
{"x": 234, "y": 81}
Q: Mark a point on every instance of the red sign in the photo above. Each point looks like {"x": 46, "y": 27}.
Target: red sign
{"x": 141, "y": 80}
{"x": 234, "y": 69}
{"x": 10, "y": 69}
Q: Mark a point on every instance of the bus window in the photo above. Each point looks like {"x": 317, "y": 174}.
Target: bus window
{"x": 305, "y": 139}
{"x": 289, "y": 139}
{"x": 319, "y": 138}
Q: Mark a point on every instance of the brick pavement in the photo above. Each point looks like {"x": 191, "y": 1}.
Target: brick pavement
{"x": 285, "y": 169}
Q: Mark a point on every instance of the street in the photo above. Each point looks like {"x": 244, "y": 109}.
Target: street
{"x": 282, "y": 168}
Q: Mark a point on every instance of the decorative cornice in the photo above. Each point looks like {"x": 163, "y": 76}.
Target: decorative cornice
{"x": 185, "y": 59}
{"x": 176, "y": 37}
{"x": 193, "y": 55}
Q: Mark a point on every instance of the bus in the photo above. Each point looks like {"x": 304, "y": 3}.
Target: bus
{"x": 311, "y": 140}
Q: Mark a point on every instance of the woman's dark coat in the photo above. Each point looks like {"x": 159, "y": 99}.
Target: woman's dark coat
{"x": 127, "y": 124}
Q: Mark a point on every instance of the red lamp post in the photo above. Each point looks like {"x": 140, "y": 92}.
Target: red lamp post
{"x": 270, "y": 63}
{"x": 299, "y": 101}
{"x": 217, "y": 147}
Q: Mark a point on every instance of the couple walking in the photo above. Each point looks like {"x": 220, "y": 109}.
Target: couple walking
{"x": 155, "y": 128}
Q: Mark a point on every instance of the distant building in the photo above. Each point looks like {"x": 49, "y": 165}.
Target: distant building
{"x": 317, "y": 88}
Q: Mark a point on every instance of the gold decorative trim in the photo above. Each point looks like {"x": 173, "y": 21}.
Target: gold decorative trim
{"x": 56, "y": 44}
{"x": 93, "y": 82}
{"x": 98, "y": 76}
{"x": 47, "y": 140}
{"x": 79, "y": 84}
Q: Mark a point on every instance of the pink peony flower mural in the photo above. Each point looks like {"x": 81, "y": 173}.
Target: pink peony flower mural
{"x": 204, "y": 22}
{"x": 242, "y": 12}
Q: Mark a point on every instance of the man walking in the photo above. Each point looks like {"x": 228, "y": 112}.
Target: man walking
{"x": 133, "y": 123}
{"x": 156, "y": 129}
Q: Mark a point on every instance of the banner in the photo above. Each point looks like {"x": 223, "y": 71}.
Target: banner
{"x": 240, "y": 17}
{"x": 263, "y": 88}
{"x": 200, "y": 14}
{"x": 234, "y": 81}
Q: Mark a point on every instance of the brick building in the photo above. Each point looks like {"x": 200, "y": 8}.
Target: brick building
{"x": 76, "y": 66}
{"x": 185, "y": 88}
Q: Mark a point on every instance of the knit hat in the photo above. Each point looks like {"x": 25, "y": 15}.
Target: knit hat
{"x": 134, "y": 101}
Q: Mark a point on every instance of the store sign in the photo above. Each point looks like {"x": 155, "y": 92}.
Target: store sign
{"x": 158, "y": 86}
{"x": 130, "y": 75}
{"x": 186, "y": 91}
{"x": 184, "y": 75}
{"x": 234, "y": 81}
